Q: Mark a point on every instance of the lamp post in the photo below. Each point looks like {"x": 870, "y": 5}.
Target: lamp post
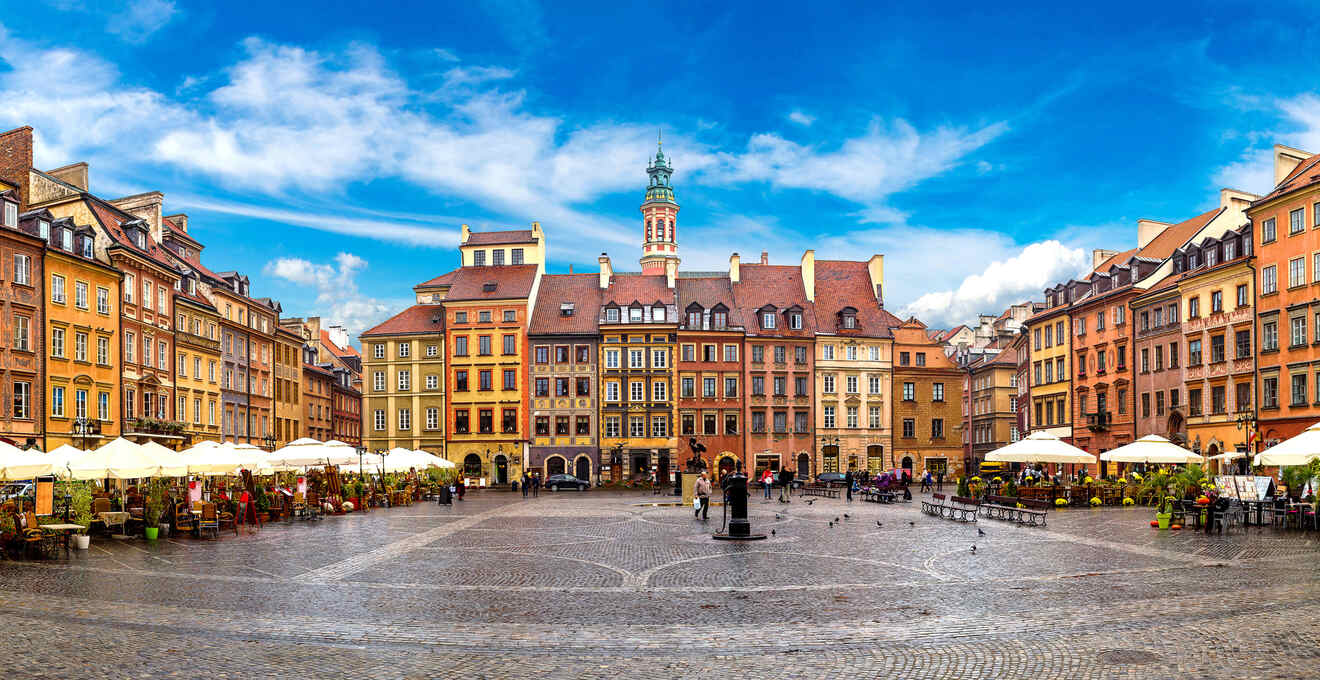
{"x": 1246, "y": 421}
{"x": 81, "y": 428}
{"x": 270, "y": 441}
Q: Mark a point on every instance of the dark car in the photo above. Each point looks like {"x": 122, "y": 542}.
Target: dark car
{"x": 557, "y": 482}
{"x": 830, "y": 478}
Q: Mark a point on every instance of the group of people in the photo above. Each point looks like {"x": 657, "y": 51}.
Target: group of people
{"x": 531, "y": 484}
{"x": 931, "y": 482}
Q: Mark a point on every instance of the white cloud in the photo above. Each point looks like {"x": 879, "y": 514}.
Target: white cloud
{"x": 1002, "y": 282}
{"x": 801, "y": 118}
{"x": 1299, "y": 127}
{"x": 335, "y": 286}
{"x": 138, "y": 19}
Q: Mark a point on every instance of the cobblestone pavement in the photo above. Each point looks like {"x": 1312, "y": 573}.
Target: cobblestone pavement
{"x": 600, "y": 584}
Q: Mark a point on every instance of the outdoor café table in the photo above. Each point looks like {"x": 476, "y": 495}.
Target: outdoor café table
{"x": 113, "y": 519}
{"x": 65, "y": 531}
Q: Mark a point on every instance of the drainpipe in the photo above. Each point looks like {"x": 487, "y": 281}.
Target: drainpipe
{"x": 1255, "y": 358}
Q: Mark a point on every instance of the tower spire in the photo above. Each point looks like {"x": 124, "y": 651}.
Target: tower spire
{"x": 659, "y": 210}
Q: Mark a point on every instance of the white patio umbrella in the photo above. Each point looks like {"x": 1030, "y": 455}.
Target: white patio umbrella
{"x": 123, "y": 459}
{"x": 16, "y": 463}
{"x": 434, "y": 460}
{"x": 1040, "y": 447}
{"x": 1151, "y": 448}
{"x": 1298, "y": 450}
{"x": 306, "y": 451}
{"x": 62, "y": 457}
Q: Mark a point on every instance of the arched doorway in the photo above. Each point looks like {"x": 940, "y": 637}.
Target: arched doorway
{"x": 727, "y": 464}
{"x": 803, "y": 466}
{"x": 875, "y": 458}
{"x": 907, "y": 466}
{"x": 554, "y": 465}
{"x": 829, "y": 458}
{"x": 501, "y": 469}
{"x": 583, "y": 468}
{"x": 472, "y": 465}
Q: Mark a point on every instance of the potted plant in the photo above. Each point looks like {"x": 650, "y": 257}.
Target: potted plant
{"x": 81, "y": 505}
{"x": 262, "y": 502}
{"x": 155, "y": 505}
{"x": 1165, "y": 513}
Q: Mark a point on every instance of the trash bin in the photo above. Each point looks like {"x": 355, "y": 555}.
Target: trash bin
{"x": 514, "y": 486}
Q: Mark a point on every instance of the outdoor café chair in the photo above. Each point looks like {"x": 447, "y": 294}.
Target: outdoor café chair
{"x": 209, "y": 520}
{"x": 31, "y": 534}
{"x": 183, "y": 519}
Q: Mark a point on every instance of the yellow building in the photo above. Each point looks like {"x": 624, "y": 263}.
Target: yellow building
{"x": 404, "y": 381}
{"x": 1049, "y": 334}
{"x": 288, "y": 386}
{"x": 638, "y": 325}
{"x": 82, "y": 362}
{"x": 197, "y": 362}
{"x": 1217, "y": 329}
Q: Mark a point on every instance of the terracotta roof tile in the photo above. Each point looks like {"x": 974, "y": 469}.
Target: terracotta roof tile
{"x": 644, "y": 288}
{"x": 511, "y": 282}
{"x": 709, "y": 292}
{"x": 112, "y": 220}
{"x": 413, "y": 320}
{"x": 1172, "y": 238}
{"x": 580, "y": 290}
{"x": 491, "y": 238}
{"x": 777, "y": 285}
{"x": 441, "y": 280}
{"x": 351, "y": 351}
{"x": 1304, "y": 175}
{"x": 845, "y": 283}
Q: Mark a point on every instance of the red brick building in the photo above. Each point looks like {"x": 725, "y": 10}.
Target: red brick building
{"x": 710, "y": 370}
{"x": 784, "y": 350}
{"x": 22, "y": 343}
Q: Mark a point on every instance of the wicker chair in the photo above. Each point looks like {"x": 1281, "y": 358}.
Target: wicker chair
{"x": 209, "y": 520}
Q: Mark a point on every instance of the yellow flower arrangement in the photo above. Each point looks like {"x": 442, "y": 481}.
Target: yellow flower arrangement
{"x": 999, "y": 480}
{"x": 1129, "y": 501}
{"x": 1136, "y": 476}
{"x": 1088, "y": 480}
{"x": 1095, "y": 501}
{"x": 1060, "y": 502}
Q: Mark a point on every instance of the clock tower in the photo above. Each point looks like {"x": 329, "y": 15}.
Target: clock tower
{"x": 659, "y": 214}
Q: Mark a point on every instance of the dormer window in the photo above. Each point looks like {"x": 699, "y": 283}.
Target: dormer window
{"x": 635, "y": 314}
{"x": 694, "y": 317}
{"x": 767, "y": 320}
{"x": 795, "y": 321}
{"x": 192, "y": 286}
{"x": 88, "y": 243}
{"x": 1229, "y": 247}
{"x": 658, "y": 314}
{"x": 11, "y": 214}
{"x": 720, "y": 320}
{"x": 1191, "y": 260}
{"x": 849, "y": 321}
{"x": 566, "y": 309}
{"x": 66, "y": 239}
{"x": 488, "y": 287}
{"x": 612, "y": 314}
{"x": 43, "y": 229}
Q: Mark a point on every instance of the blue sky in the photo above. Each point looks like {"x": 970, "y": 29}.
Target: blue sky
{"x": 331, "y": 150}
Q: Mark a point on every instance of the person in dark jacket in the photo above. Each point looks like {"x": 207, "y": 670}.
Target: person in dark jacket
{"x": 848, "y": 483}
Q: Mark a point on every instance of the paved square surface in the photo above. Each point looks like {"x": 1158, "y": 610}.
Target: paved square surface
{"x": 600, "y": 584}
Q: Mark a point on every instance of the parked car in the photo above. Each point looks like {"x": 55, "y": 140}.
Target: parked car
{"x": 558, "y": 482}
{"x": 831, "y": 478}
{"x": 17, "y": 490}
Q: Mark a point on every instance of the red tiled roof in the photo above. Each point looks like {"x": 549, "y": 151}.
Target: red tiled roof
{"x": 194, "y": 298}
{"x": 441, "y": 280}
{"x": 1304, "y": 175}
{"x": 338, "y": 351}
{"x": 626, "y": 289}
{"x": 112, "y": 220}
{"x": 511, "y": 282}
{"x": 1173, "y": 238}
{"x": 845, "y": 283}
{"x": 492, "y": 238}
{"x": 179, "y": 233}
{"x": 708, "y": 292}
{"x": 317, "y": 369}
{"x": 413, "y": 320}
{"x": 778, "y": 285}
{"x": 582, "y": 290}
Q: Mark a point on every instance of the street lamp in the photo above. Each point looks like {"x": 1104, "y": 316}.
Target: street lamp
{"x": 1246, "y": 421}
{"x": 270, "y": 441}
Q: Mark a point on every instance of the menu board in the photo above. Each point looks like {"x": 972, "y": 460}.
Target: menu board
{"x": 1264, "y": 487}
{"x": 1227, "y": 486}
{"x": 1246, "y": 487}
{"x": 45, "y": 495}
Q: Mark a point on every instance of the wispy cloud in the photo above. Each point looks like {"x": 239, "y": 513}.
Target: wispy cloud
{"x": 133, "y": 21}
{"x": 801, "y": 118}
{"x": 336, "y": 288}
{"x": 1297, "y": 124}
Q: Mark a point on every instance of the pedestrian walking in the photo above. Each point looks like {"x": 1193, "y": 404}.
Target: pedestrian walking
{"x": 925, "y": 482}
{"x": 939, "y": 481}
{"x": 848, "y": 482}
{"x": 462, "y": 488}
{"x": 785, "y": 485}
{"x": 536, "y": 485}
{"x": 702, "y": 489}
{"x": 767, "y": 481}
{"x": 526, "y": 484}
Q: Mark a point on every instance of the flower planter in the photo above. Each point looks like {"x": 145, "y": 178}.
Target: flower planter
{"x": 152, "y": 533}
{"x": 1163, "y": 518}
{"x": 82, "y": 541}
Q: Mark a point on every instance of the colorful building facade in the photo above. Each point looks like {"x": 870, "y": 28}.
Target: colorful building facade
{"x": 563, "y": 337}
{"x": 404, "y": 378}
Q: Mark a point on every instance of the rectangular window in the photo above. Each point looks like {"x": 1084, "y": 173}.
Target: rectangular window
{"x": 1296, "y": 221}
{"x": 827, "y": 352}
{"x": 659, "y": 391}
{"x": 484, "y": 380}
{"x": 659, "y": 358}
{"x": 1297, "y": 326}
{"x": 874, "y": 418}
{"x": 708, "y": 388}
{"x": 510, "y": 379}
{"x": 758, "y": 421}
{"x": 461, "y": 425}
{"x": 561, "y": 426}
{"x": 486, "y": 421}
{"x": 1298, "y": 389}
{"x": 828, "y": 386}
{"x": 460, "y": 346}
{"x": 1243, "y": 300}
{"x": 1243, "y": 397}
{"x": 637, "y": 391}
{"x": 850, "y": 416}
{"x": 1269, "y": 281}
{"x": 937, "y": 393}
{"x": 850, "y": 382}
{"x": 909, "y": 391}
{"x": 80, "y": 295}
{"x": 56, "y": 342}
{"x": 800, "y": 386}
{"x": 1268, "y": 231}
{"x": 1269, "y": 391}
{"x": 1269, "y": 336}
{"x": 57, "y": 402}
{"x": 909, "y": 428}
{"x": 1296, "y": 272}
{"x": 405, "y": 380}
{"x": 57, "y": 289}
{"x": 1194, "y": 353}
{"x": 378, "y": 419}
{"x": 827, "y": 414}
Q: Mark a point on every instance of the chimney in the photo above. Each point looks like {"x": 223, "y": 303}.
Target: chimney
{"x": 876, "y": 268}
{"x": 734, "y": 273}
{"x": 180, "y": 220}
{"x": 1099, "y": 255}
{"x": 16, "y": 160}
{"x": 671, "y": 271}
{"x": 147, "y": 206}
{"x": 464, "y": 232}
{"x": 1235, "y": 203}
{"x": 808, "y": 267}
{"x": 1286, "y": 159}
{"x": 1147, "y": 230}
{"x": 765, "y": 257}
{"x": 570, "y": 269}
{"x": 75, "y": 174}
{"x": 536, "y": 231}
{"x": 606, "y": 272}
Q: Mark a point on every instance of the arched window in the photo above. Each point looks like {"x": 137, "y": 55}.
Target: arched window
{"x": 648, "y": 229}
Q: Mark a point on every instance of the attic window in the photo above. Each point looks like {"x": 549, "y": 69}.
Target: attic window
{"x": 658, "y": 314}
{"x": 66, "y": 239}
{"x": 11, "y": 214}
{"x": 634, "y": 313}
{"x": 767, "y": 320}
{"x": 43, "y": 228}
{"x": 87, "y": 246}
{"x": 488, "y": 287}
{"x": 849, "y": 321}
{"x": 566, "y": 309}
{"x": 720, "y": 319}
{"x": 192, "y": 286}
{"x": 795, "y": 321}
{"x": 611, "y": 313}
